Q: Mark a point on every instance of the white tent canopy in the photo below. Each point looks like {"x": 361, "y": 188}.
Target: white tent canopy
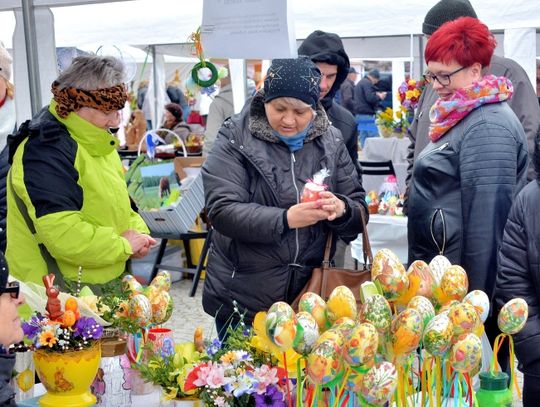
{"x": 371, "y": 29}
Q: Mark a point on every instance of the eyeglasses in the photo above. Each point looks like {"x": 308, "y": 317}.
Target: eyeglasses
{"x": 443, "y": 79}
{"x": 13, "y": 289}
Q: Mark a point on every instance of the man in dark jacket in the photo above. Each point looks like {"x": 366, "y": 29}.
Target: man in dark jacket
{"x": 519, "y": 276}
{"x": 326, "y": 50}
{"x": 347, "y": 90}
{"x": 367, "y": 101}
{"x": 523, "y": 101}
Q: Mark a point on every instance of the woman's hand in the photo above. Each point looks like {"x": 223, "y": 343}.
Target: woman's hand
{"x": 334, "y": 206}
{"x": 140, "y": 243}
{"x": 305, "y": 214}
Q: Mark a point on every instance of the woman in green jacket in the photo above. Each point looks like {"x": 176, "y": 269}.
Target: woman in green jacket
{"x": 68, "y": 205}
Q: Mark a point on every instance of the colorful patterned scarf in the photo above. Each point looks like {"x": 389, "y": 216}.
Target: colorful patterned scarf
{"x": 72, "y": 99}
{"x": 445, "y": 114}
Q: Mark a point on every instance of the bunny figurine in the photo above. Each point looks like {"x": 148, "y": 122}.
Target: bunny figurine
{"x": 53, "y": 307}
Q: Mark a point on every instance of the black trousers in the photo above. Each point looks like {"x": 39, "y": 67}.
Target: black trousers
{"x": 531, "y": 391}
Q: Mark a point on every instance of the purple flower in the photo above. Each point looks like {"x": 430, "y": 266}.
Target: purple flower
{"x": 214, "y": 347}
{"x": 32, "y": 327}
{"x": 272, "y": 397}
{"x": 87, "y": 327}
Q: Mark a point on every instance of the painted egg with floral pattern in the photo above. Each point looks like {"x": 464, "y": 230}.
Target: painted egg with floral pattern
{"x": 162, "y": 281}
{"x": 140, "y": 310}
{"x": 379, "y": 384}
{"x": 406, "y": 332}
{"x": 464, "y": 319}
{"x": 466, "y": 353}
{"x": 438, "y": 333}
{"x": 455, "y": 283}
{"x": 160, "y": 307}
{"x": 376, "y": 310}
{"x": 308, "y": 333}
{"x": 385, "y": 258}
{"x": 513, "y": 316}
{"x": 323, "y": 363}
{"x": 480, "y": 301}
{"x": 344, "y": 325}
{"x": 361, "y": 344}
{"x": 392, "y": 280}
{"x": 131, "y": 286}
{"x": 316, "y": 306}
{"x": 438, "y": 266}
{"x": 341, "y": 303}
{"x": 424, "y": 308}
{"x": 281, "y": 325}
{"x": 421, "y": 270}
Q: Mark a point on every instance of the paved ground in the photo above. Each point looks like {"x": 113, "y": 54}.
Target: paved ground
{"x": 188, "y": 313}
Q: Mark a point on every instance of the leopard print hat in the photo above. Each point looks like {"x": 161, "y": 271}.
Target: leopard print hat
{"x": 72, "y": 99}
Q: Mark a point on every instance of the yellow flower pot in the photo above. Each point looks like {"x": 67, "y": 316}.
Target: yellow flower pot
{"x": 67, "y": 376}
{"x": 385, "y": 131}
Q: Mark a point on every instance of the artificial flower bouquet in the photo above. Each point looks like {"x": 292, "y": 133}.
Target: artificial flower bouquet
{"x": 409, "y": 93}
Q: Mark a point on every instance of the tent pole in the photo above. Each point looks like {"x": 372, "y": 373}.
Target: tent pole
{"x": 29, "y": 24}
{"x": 155, "y": 124}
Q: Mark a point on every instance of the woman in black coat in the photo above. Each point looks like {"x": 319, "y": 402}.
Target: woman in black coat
{"x": 519, "y": 276}
{"x": 266, "y": 242}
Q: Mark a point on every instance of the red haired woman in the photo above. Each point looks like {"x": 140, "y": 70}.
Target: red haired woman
{"x": 465, "y": 180}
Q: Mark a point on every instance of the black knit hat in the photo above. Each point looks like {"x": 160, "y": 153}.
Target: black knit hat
{"x": 298, "y": 78}
{"x": 444, "y": 11}
{"x": 4, "y": 272}
{"x": 176, "y": 110}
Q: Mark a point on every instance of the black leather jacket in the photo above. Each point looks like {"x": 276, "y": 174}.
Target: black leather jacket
{"x": 250, "y": 180}
{"x": 462, "y": 189}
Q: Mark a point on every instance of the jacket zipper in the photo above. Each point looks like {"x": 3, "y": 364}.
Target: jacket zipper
{"x": 440, "y": 148}
{"x": 431, "y": 230}
{"x": 293, "y": 160}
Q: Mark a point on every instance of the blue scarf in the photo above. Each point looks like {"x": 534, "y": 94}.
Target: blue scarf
{"x": 295, "y": 143}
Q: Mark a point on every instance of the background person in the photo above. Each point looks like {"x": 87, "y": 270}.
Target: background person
{"x": 221, "y": 108}
{"x": 518, "y": 276}
{"x": 367, "y": 101}
{"x": 173, "y": 119}
{"x": 347, "y": 90}
{"x": 266, "y": 243}
{"x": 68, "y": 205}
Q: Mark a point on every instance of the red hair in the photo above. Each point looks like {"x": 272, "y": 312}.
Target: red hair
{"x": 465, "y": 40}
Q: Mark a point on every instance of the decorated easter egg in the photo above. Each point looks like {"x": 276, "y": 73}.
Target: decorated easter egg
{"x": 162, "y": 280}
{"x": 379, "y": 384}
{"x": 308, "y": 333}
{"x": 406, "y": 332}
{"x": 316, "y": 306}
{"x": 140, "y": 310}
{"x": 323, "y": 363}
{"x": 480, "y": 301}
{"x": 464, "y": 319}
{"x": 392, "y": 278}
{"x": 424, "y": 308}
{"x": 341, "y": 303}
{"x": 376, "y": 311}
{"x": 151, "y": 292}
{"x": 361, "y": 344}
{"x": 344, "y": 325}
{"x": 161, "y": 307}
{"x": 445, "y": 309}
{"x": 131, "y": 286}
{"x": 455, "y": 283}
{"x": 281, "y": 325}
{"x": 466, "y": 353}
{"x": 334, "y": 336}
{"x": 438, "y": 266}
{"x": 421, "y": 270}
{"x": 513, "y": 316}
{"x": 385, "y": 258}
{"x": 438, "y": 333}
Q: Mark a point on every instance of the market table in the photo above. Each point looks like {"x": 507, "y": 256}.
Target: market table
{"x": 385, "y": 231}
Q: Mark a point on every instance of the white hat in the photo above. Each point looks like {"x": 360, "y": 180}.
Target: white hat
{"x": 5, "y": 62}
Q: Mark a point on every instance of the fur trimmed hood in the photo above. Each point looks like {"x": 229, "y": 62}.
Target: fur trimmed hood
{"x": 260, "y": 128}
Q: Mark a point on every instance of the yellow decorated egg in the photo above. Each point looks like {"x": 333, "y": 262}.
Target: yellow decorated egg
{"x": 281, "y": 325}
{"x": 131, "y": 286}
{"x": 480, "y": 301}
{"x": 379, "y": 384}
{"x": 385, "y": 258}
{"x": 344, "y": 325}
{"x": 513, "y": 316}
{"x": 464, "y": 319}
{"x": 421, "y": 270}
{"x": 361, "y": 344}
{"x": 161, "y": 305}
{"x": 140, "y": 310}
{"x": 466, "y": 353}
{"x": 376, "y": 311}
{"x": 454, "y": 283}
{"x": 316, "y": 306}
{"x": 341, "y": 303}
{"x": 438, "y": 333}
{"x": 307, "y": 334}
{"x": 323, "y": 363}
{"x": 406, "y": 332}
{"x": 162, "y": 281}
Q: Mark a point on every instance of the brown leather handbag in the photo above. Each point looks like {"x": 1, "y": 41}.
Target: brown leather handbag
{"x": 325, "y": 278}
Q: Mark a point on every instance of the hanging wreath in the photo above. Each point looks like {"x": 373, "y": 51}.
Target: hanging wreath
{"x": 197, "y": 44}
